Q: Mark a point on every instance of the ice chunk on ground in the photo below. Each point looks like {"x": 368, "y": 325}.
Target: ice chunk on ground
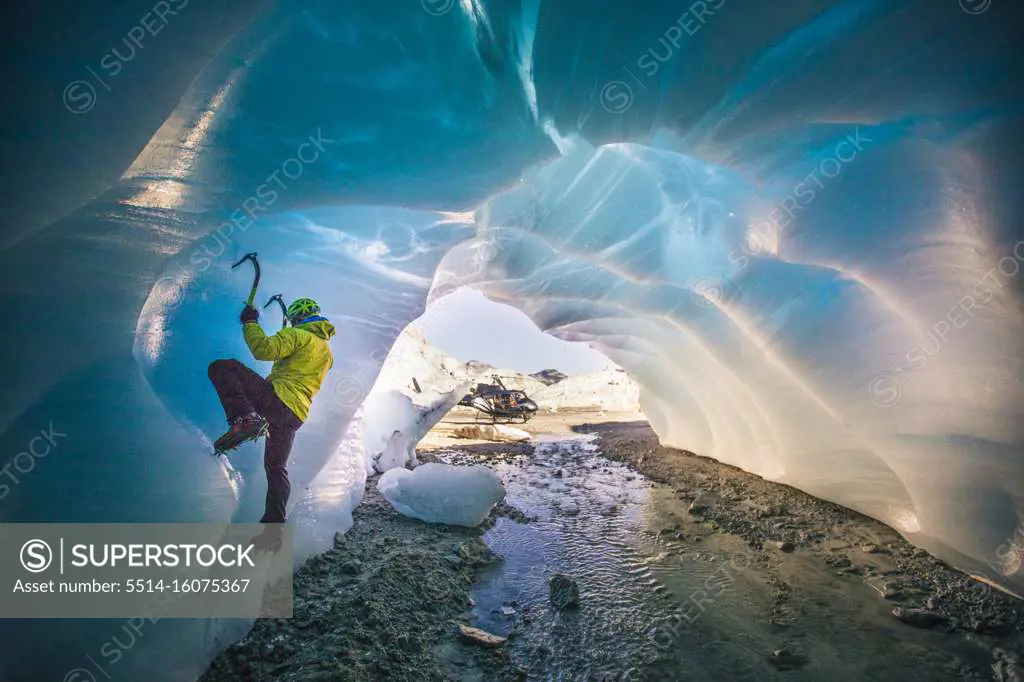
{"x": 443, "y": 493}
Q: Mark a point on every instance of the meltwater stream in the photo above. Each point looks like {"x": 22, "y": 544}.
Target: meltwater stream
{"x": 662, "y": 597}
{"x": 587, "y": 518}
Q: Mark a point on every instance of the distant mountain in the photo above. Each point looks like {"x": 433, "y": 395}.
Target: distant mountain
{"x": 426, "y": 375}
{"x": 477, "y": 366}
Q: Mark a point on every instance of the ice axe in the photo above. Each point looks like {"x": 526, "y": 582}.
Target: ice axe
{"x": 256, "y": 279}
{"x": 284, "y": 309}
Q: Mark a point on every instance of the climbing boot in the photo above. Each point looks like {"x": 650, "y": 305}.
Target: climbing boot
{"x": 241, "y": 429}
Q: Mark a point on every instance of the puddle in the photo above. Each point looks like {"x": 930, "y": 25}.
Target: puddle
{"x": 664, "y": 598}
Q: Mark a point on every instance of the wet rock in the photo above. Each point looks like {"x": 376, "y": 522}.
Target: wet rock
{"x": 785, "y": 546}
{"x": 838, "y": 561}
{"x": 787, "y": 659}
{"x": 557, "y": 473}
{"x": 510, "y": 512}
{"x": 770, "y": 510}
{"x": 570, "y": 509}
{"x": 480, "y": 637}
{"x": 1008, "y": 667}
{"x": 407, "y": 643}
{"x": 474, "y": 552}
{"x": 892, "y": 593}
{"x": 919, "y": 618}
{"x": 563, "y": 592}
{"x": 701, "y": 504}
{"x": 302, "y": 623}
{"x": 994, "y": 623}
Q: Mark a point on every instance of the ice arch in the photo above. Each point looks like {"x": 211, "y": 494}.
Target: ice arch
{"x": 759, "y": 349}
{"x": 761, "y": 306}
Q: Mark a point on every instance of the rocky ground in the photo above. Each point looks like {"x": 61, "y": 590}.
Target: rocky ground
{"x": 923, "y": 591}
{"x": 387, "y": 602}
{"x": 384, "y": 604}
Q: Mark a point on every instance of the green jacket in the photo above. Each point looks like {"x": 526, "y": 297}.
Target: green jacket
{"x": 301, "y": 358}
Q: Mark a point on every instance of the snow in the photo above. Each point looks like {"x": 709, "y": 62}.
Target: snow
{"x": 443, "y": 493}
{"x": 609, "y": 389}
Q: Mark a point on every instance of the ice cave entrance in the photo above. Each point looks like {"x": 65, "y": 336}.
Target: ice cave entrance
{"x": 468, "y": 326}
{"x": 464, "y": 341}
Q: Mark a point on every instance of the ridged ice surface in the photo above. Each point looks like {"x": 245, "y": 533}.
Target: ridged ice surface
{"x": 796, "y": 227}
{"x": 851, "y": 377}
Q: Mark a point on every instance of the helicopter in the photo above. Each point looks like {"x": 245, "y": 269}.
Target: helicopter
{"x": 500, "y": 403}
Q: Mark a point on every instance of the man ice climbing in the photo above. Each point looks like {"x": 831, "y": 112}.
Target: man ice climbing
{"x": 278, "y": 405}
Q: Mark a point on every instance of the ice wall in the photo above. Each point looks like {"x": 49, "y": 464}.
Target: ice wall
{"x": 416, "y": 387}
{"x": 793, "y": 199}
{"x": 885, "y": 379}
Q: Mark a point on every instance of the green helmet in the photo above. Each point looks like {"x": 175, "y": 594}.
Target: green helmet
{"x": 301, "y": 308}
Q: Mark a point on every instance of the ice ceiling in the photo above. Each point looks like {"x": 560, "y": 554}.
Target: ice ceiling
{"x": 797, "y": 226}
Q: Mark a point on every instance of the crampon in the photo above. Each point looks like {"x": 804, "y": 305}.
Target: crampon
{"x": 242, "y": 430}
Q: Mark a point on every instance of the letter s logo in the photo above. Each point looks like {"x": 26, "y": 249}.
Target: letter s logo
{"x": 36, "y": 556}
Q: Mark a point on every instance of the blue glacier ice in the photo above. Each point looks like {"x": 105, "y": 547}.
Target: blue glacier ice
{"x": 797, "y": 227}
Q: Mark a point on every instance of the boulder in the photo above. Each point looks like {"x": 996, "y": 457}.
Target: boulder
{"x": 919, "y": 618}
{"x": 564, "y": 592}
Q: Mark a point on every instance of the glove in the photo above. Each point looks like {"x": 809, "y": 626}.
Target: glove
{"x": 249, "y": 314}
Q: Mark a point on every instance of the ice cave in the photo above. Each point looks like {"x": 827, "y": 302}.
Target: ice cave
{"x": 792, "y": 226}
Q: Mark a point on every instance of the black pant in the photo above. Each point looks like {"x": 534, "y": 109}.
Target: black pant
{"x": 242, "y": 391}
